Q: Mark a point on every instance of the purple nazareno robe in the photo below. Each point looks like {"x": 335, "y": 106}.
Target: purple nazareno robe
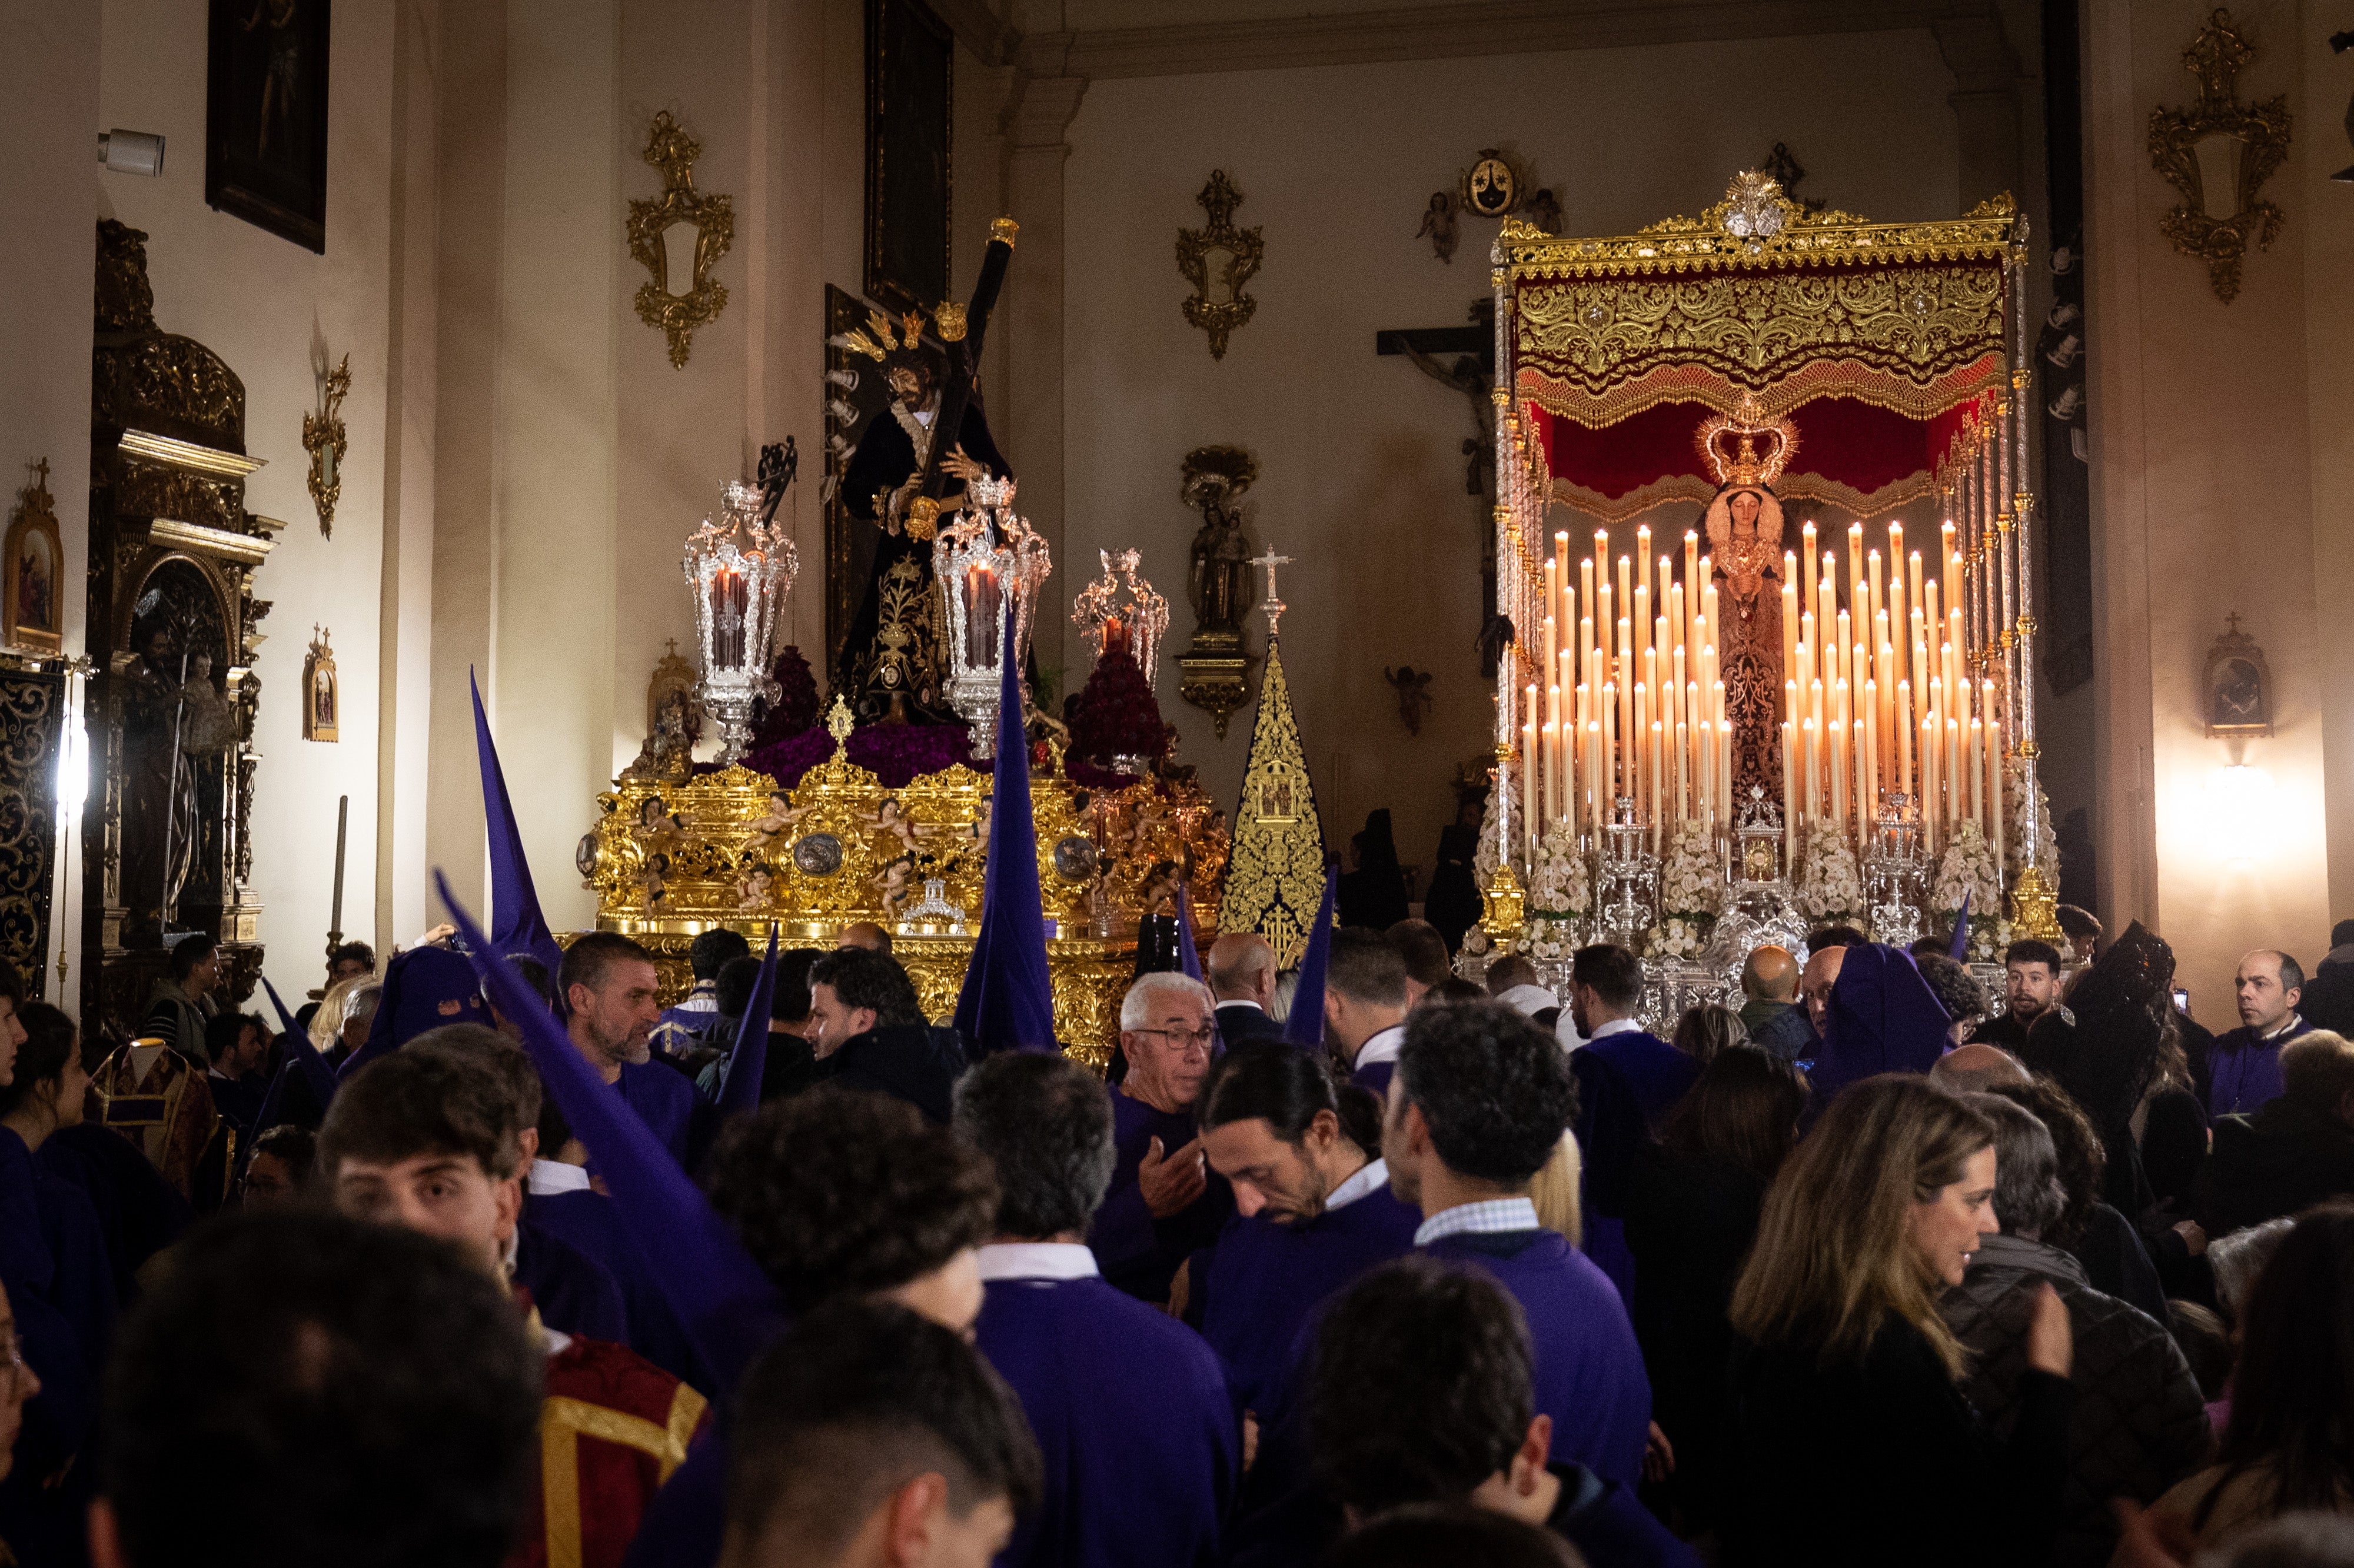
{"x": 1138, "y": 1253}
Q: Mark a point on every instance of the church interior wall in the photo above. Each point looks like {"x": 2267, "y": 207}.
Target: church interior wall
{"x": 1361, "y": 482}
{"x": 2212, "y": 436}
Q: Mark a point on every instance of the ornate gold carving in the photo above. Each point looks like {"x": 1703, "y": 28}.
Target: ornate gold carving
{"x": 187, "y": 456}
{"x": 1506, "y": 908}
{"x": 322, "y": 697}
{"x": 1215, "y": 676}
{"x": 2252, "y": 141}
{"x": 669, "y": 858}
{"x": 2035, "y": 905}
{"x": 1006, "y": 230}
{"x": 1277, "y": 878}
{"x": 171, "y": 384}
{"x": 673, "y": 312}
{"x": 214, "y": 544}
{"x": 322, "y": 438}
{"x": 951, "y": 319}
{"x": 126, "y": 302}
{"x": 1217, "y": 260}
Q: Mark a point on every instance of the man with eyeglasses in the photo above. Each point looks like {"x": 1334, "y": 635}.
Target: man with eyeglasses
{"x": 1166, "y": 1203}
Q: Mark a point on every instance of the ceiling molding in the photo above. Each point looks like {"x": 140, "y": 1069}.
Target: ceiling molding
{"x": 978, "y": 27}
{"x": 1451, "y": 32}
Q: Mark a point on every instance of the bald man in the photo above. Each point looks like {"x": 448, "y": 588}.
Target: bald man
{"x": 1815, "y": 982}
{"x": 1770, "y": 981}
{"x": 1975, "y": 1068}
{"x": 2243, "y": 1066}
{"x": 1241, "y": 972}
{"x": 865, "y": 934}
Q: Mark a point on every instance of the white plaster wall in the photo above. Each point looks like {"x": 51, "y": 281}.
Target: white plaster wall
{"x": 1361, "y": 482}
{"x": 270, "y": 308}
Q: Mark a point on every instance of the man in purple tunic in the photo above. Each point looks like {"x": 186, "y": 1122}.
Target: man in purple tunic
{"x": 1313, "y": 1208}
{"x": 1165, "y": 1204}
{"x": 1142, "y": 1445}
{"x": 2244, "y": 1064}
{"x": 1420, "y": 1392}
{"x": 608, "y": 984}
{"x": 1365, "y": 1005}
{"x": 1627, "y": 1078}
{"x": 1479, "y": 1100}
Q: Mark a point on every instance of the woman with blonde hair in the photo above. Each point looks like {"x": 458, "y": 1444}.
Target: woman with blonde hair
{"x": 1851, "y": 1441}
{"x": 1554, "y": 1190}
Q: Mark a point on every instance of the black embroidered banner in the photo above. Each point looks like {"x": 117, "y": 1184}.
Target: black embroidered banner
{"x": 32, "y": 727}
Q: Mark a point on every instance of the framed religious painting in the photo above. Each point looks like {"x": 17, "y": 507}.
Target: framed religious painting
{"x": 266, "y": 116}
{"x": 910, "y": 74}
{"x": 33, "y": 618}
{"x": 321, "y": 696}
{"x": 2237, "y": 685}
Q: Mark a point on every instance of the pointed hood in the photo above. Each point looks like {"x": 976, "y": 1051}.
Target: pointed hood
{"x": 1883, "y": 1019}
{"x": 1189, "y": 958}
{"x": 1960, "y": 950}
{"x": 516, "y": 923}
{"x": 424, "y": 989}
{"x": 1304, "y": 1024}
{"x": 1008, "y": 1000}
{"x": 741, "y": 1093}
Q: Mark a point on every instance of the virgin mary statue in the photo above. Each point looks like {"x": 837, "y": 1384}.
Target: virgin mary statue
{"x": 1744, "y": 541}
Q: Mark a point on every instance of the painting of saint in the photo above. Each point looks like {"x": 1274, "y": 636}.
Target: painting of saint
{"x": 319, "y": 694}
{"x": 32, "y": 610}
{"x": 266, "y": 118}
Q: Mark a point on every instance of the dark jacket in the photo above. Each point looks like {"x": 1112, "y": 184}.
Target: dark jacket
{"x": 2116, "y": 1262}
{"x": 1240, "y": 1023}
{"x": 2329, "y": 999}
{"x": 2274, "y": 1161}
{"x": 2139, "y": 1423}
{"x": 1691, "y": 1219}
{"x": 1782, "y": 1028}
{"x": 1868, "y": 1463}
{"x": 915, "y": 1062}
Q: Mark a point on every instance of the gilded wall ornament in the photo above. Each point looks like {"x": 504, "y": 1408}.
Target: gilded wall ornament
{"x": 1493, "y": 186}
{"x": 32, "y": 616}
{"x": 322, "y": 698}
{"x": 322, "y": 438}
{"x": 2237, "y": 685}
{"x": 1217, "y": 262}
{"x": 2219, "y": 153}
{"x": 678, "y": 237}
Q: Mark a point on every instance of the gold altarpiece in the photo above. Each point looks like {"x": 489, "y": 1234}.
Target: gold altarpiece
{"x": 671, "y": 857}
{"x": 173, "y": 626}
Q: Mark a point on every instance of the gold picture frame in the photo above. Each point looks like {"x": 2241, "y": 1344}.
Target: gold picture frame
{"x": 1217, "y": 260}
{"x": 323, "y": 698}
{"x": 2221, "y": 139}
{"x": 675, "y": 313}
{"x": 33, "y": 618}
{"x": 2236, "y": 688}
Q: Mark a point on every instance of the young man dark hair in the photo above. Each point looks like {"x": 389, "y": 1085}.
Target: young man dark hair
{"x": 1115, "y": 1390}
{"x": 1835, "y": 937}
{"x": 348, "y": 959}
{"x": 179, "y": 1013}
{"x": 2031, "y": 989}
{"x": 280, "y": 1170}
{"x": 1419, "y": 1392}
{"x": 1627, "y": 1080}
{"x": 1365, "y": 999}
{"x": 1303, "y": 1154}
{"x": 235, "y": 1046}
{"x": 839, "y": 1191}
{"x": 867, "y": 1030}
{"x": 430, "y": 1137}
{"x": 303, "y": 1388}
{"x": 188, "y": 952}
{"x": 710, "y": 950}
{"x": 1424, "y": 952}
{"x": 2082, "y": 929}
{"x": 1481, "y": 1098}
{"x": 869, "y": 1435}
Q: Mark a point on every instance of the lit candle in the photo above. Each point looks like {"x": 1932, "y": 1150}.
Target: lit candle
{"x": 1692, "y": 579}
{"x": 1625, "y": 584}
{"x": 1585, "y": 596}
{"x": 1913, "y": 572}
{"x": 1814, "y": 771}
{"x": 1872, "y": 741}
{"x": 1602, "y": 555}
{"x": 1594, "y": 773}
{"x": 1627, "y": 676}
{"x": 1904, "y": 727}
{"x": 1855, "y": 567}
{"x": 1685, "y": 772}
{"x": 1643, "y": 557}
{"x": 1789, "y": 796}
{"x": 1607, "y": 779}
{"x": 1945, "y": 562}
{"x": 1977, "y": 744}
{"x": 1871, "y": 572}
{"x": 1954, "y": 770}
{"x": 1806, "y": 547}
{"x": 1839, "y": 759}
{"x": 1551, "y": 769}
{"x": 1723, "y": 760}
{"x": 1528, "y": 788}
{"x": 1658, "y": 812}
{"x": 1789, "y": 613}
{"x": 1643, "y": 615}
{"x": 1638, "y": 739}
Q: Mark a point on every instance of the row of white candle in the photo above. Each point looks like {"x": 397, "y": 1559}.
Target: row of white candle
{"x": 1864, "y": 717}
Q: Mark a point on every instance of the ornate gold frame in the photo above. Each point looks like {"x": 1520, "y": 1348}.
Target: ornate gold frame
{"x": 1244, "y": 249}
{"x": 322, "y": 438}
{"x": 321, "y": 661}
{"x": 673, "y": 152}
{"x": 36, "y": 517}
{"x": 2215, "y": 57}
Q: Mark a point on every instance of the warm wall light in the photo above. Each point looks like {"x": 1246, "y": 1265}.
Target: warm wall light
{"x": 131, "y": 152}
{"x": 2240, "y": 798}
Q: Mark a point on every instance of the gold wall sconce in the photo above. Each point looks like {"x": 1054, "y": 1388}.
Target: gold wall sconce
{"x": 322, "y": 438}
{"x": 678, "y": 237}
{"x": 2218, "y": 154}
{"x": 1217, "y": 262}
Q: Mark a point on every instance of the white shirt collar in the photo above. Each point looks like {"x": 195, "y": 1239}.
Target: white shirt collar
{"x": 1383, "y": 1046}
{"x": 1491, "y": 1217}
{"x": 550, "y": 1176}
{"x": 1035, "y": 1260}
{"x": 2283, "y": 1027}
{"x": 1241, "y": 1002}
{"x": 1372, "y": 1177}
{"x": 1529, "y": 999}
{"x": 1615, "y": 1026}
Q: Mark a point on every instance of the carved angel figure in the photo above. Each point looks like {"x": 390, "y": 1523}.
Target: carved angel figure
{"x": 1438, "y": 225}
{"x": 771, "y": 826}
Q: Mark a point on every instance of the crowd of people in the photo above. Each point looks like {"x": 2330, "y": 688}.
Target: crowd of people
{"x": 473, "y": 1263}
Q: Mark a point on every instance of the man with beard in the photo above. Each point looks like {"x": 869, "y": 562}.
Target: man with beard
{"x": 608, "y": 982}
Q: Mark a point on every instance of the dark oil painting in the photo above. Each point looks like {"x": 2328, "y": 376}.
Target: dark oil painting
{"x": 910, "y": 71}
{"x": 266, "y": 116}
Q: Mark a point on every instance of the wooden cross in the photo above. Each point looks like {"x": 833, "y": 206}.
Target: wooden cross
{"x": 1273, "y": 606}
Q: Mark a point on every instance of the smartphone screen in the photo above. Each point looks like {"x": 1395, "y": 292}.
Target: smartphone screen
{"x": 2181, "y": 998}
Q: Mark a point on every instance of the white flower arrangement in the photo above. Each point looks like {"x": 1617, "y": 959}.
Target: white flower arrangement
{"x": 1679, "y": 936}
{"x": 1967, "y": 870}
{"x": 1691, "y": 883}
{"x": 1560, "y": 895}
{"x": 1830, "y": 886}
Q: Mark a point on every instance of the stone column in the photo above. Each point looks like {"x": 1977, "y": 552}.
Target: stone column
{"x": 1028, "y": 329}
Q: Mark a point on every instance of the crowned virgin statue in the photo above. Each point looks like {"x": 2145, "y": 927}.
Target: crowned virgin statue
{"x": 1744, "y": 541}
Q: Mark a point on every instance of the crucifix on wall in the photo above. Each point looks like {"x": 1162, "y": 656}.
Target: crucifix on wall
{"x": 1463, "y": 358}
